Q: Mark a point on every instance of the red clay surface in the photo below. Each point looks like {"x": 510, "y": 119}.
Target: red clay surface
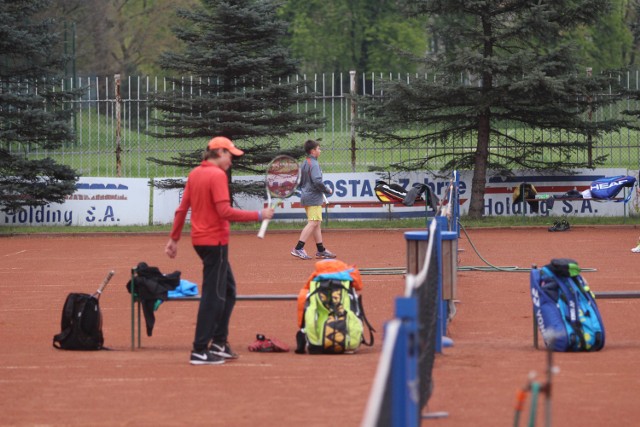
{"x": 475, "y": 381}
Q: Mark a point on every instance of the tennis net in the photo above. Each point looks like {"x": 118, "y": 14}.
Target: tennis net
{"x": 404, "y": 374}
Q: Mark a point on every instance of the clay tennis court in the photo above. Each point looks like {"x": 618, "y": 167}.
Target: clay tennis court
{"x": 475, "y": 381}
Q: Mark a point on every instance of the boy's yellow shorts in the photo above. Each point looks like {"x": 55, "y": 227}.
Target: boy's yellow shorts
{"x": 314, "y": 213}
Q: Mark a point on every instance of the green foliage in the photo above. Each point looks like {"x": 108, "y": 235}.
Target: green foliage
{"x": 93, "y": 153}
{"x": 33, "y": 182}
{"x": 28, "y": 57}
{"x": 631, "y": 16}
{"x": 338, "y": 35}
{"x": 608, "y": 43}
{"x": 240, "y": 86}
{"x": 128, "y": 36}
{"x": 116, "y": 36}
{"x": 497, "y": 62}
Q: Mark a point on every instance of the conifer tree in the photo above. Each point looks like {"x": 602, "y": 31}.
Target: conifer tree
{"x": 32, "y": 114}
{"x": 244, "y": 83}
{"x": 497, "y": 65}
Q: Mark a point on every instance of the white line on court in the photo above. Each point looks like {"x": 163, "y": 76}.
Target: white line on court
{"x": 16, "y": 253}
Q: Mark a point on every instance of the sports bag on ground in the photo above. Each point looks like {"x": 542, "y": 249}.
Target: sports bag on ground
{"x": 565, "y": 309}
{"x": 81, "y": 324}
{"x": 526, "y": 192}
{"x": 609, "y": 187}
{"x": 332, "y": 320}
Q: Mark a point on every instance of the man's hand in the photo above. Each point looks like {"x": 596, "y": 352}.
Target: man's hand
{"x": 267, "y": 213}
{"x": 171, "y": 249}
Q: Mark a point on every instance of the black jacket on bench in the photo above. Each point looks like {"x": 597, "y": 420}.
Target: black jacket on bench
{"x": 150, "y": 286}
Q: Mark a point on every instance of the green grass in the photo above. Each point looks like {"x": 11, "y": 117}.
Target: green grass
{"x": 94, "y": 155}
{"x": 529, "y": 221}
{"x": 502, "y": 221}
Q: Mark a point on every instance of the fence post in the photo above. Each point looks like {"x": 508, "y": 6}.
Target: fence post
{"x": 352, "y": 77}
{"x": 118, "y": 126}
{"x": 590, "y": 116}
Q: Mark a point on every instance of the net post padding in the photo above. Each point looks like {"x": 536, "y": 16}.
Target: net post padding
{"x": 450, "y": 207}
{"x": 394, "y": 400}
{"x": 454, "y": 225}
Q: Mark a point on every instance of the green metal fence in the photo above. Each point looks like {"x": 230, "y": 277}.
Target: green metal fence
{"x": 113, "y": 116}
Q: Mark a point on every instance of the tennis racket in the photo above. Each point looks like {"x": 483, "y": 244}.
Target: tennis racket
{"x": 281, "y": 182}
{"x": 106, "y": 280}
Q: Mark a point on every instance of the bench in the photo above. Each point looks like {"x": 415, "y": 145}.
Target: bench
{"x": 598, "y": 295}
{"x": 576, "y": 199}
{"x": 136, "y": 302}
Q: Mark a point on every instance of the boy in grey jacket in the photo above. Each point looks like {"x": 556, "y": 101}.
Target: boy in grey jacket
{"x": 312, "y": 195}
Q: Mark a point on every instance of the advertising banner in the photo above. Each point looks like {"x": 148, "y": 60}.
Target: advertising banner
{"x": 126, "y": 201}
{"x": 353, "y": 198}
{"x": 552, "y": 192}
{"x": 97, "y": 201}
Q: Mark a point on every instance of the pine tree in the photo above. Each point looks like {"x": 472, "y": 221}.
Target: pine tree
{"x": 32, "y": 114}
{"x": 518, "y": 70}
{"x": 239, "y": 82}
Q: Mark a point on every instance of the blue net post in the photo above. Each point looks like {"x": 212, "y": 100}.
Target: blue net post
{"x": 416, "y": 247}
{"x": 455, "y": 226}
{"x": 442, "y": 306}
{"x": 450, "y": 237}
{"x": 405, "y": 395}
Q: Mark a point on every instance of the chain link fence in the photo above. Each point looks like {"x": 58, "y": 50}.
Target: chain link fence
{"x": 111, "y": 122}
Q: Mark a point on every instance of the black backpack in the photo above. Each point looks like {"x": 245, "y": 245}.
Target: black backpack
{"x": 81, "y": 323}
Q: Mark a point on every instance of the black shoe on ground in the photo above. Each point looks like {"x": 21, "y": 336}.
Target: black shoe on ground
{"x": 205, "y": 358}
{"x": 223, "y": 350}
{"x": 562, "y": 225}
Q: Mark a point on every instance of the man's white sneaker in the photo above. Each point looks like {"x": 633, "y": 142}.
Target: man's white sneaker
{"x": 205, "y": 358}
{"x": 223, "y": 350}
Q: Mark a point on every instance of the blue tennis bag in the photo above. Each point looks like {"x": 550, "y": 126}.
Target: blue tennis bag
{"x": 608, "y": 187}
{"x": 564, "y": 308}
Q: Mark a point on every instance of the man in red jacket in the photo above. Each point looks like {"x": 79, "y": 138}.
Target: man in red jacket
{"x": 207, "y": 195}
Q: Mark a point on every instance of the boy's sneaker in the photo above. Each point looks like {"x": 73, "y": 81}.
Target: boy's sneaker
{"x": 636, "y": 249}
{"x": 223, "y": 351}
{"x": 325, "y": 254}
{"x": 205, "y": 358}
{"x": 300, "y": 253}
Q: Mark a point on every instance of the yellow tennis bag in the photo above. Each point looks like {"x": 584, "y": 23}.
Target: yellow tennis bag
{"x": 333, "y": 319}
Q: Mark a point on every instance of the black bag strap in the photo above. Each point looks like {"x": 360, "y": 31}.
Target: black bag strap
{"x": 68, "y": 309}
{"x": 57, "y": 339}
{"x": 366, "y": 322}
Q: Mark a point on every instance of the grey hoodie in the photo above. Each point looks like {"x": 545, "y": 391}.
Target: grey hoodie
{"x": 311, "y": 185}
